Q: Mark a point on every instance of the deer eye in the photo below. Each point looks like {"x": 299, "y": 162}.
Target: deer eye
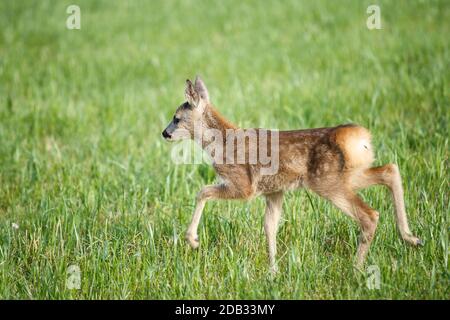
{"x": 176, "y": 120}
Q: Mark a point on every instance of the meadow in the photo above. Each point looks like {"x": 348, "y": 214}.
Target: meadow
{"x": 86, "y": 179}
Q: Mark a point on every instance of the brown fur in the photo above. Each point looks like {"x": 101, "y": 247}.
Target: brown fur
{"x": 355, "y": 143}
{"x": 333, "y": 162}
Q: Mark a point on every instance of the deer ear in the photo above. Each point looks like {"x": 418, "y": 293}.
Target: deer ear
{"x": 191, "y": 95}
{"x": 201, "y": 89}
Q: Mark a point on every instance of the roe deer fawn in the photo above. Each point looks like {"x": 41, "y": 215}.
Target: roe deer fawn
{"x": 333, "y": 162}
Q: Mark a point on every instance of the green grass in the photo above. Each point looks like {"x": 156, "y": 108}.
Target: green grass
{"x": 85, "y": 174}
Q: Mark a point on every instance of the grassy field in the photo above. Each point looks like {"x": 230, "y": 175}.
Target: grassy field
{"x": 87, "y": 180}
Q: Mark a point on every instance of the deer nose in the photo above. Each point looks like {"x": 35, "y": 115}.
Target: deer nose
{"x": 165, "y": 134}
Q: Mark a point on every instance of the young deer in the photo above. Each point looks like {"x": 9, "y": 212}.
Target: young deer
{"x": 333, "y": 162}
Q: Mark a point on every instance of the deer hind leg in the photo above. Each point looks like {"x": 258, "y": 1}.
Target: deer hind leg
{"x": 272, "y": 216}
{"x": 366, "y": 217}
{"x": 389, "y": 176}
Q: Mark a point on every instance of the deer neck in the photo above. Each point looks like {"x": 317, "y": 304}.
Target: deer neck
{"x": 214, "y": 128}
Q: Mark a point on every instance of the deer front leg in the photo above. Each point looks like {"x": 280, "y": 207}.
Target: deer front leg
{"x": 191, "y": 233}
{"x": 274, "y": 203}
{"x": 220, "y": 191}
